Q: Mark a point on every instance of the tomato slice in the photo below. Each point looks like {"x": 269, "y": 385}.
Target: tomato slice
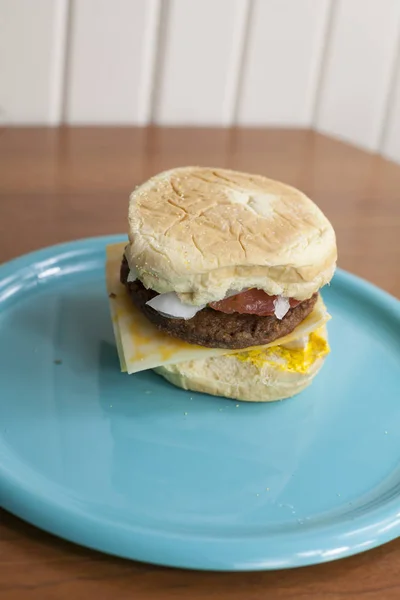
{"x": 251, "y": 302}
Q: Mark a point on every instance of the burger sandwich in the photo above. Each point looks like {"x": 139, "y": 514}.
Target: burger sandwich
{"x": 217, "y": 289}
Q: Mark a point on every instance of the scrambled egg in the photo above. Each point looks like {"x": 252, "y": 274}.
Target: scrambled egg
{"x": 296, "y": 360}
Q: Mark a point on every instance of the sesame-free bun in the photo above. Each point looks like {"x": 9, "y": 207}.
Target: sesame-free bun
{"x": 271, "y": 375}
{"x": 201, "y": 232}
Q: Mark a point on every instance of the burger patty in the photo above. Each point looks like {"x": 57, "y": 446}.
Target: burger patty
{"x": 216, "y": 329}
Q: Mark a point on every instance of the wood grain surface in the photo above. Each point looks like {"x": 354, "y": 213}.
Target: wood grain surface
{"x": 63, "y": 184}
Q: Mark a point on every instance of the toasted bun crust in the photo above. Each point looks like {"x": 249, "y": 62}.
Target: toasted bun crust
{"x": 267, "y": 378}
{"x": 201, "y": 232}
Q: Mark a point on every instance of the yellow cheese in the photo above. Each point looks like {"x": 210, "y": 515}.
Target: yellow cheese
{"x": 294, "y": 360}
{"x": 141, "y": 346}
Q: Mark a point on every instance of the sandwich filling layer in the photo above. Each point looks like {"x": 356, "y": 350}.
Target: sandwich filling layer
{"x": 141, "y": 345}
{"x": 213, "y": 328}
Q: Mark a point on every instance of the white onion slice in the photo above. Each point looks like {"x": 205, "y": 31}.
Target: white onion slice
{"x": 132, "y": 275}
{"x": 298, "y": 344}
{"x": 170, "y": 306}
{"x": 281, "y": 307}
{"x": 168, "y": 316}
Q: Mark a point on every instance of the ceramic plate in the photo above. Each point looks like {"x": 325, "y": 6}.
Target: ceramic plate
{"x": 133, "y": 466}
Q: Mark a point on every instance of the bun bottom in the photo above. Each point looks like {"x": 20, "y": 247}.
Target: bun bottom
{"x": 268, "y": 378}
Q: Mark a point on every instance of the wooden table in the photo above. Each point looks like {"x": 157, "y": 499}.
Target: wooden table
{"x": 62, "y": 184}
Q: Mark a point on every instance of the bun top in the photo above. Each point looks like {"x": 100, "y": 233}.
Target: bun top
{"x": 201, "y": 232}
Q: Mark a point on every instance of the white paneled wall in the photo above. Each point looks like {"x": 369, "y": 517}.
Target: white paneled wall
{"x": 282, "y": 61}
{"x": 358, "y": 68}
{"x": 390, "y": 141}
{"x": 329, "y": 64}
{"x": 199, "y": 61}
{"x": 32, "y": 56}
{"x": 111, "y": 59}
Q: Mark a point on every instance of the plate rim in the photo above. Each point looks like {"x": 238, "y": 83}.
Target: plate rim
{"x": 53, "y": 514}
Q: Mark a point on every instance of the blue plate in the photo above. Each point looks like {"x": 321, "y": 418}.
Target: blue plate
{"x": 132, "y": 466}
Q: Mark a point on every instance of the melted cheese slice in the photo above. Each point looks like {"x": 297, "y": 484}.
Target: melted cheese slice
{"x": 142, "y": 346}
